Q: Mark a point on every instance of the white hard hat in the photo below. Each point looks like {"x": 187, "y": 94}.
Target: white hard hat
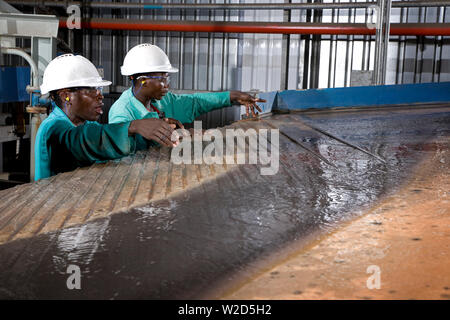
{"x": 69, "y": 71}
{"x": 145, "y": 58}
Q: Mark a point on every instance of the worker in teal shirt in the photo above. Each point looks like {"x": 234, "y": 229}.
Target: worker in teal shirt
{"x": 69, "y": 137}
{"x": 148, "y": 68}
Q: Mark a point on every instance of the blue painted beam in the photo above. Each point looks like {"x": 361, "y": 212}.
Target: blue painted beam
{"x": 368, "y": 96}
{"x": 271, "y": 101}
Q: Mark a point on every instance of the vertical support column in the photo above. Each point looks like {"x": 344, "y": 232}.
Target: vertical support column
{"x": 315, "y": 51}
{"x": 387, "y": 30}
{"x": 378, "y": 42}
{"x": 311, "y": 61}
{"x": 43, "y": 50}
{"x": 285, "y": 51}
{"x": 35, "y": 121}
{"x": 382, "y": 41}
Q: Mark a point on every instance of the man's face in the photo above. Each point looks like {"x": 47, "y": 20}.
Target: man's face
{"x": 85, "y": 104}
{"x": 156, "y": 88}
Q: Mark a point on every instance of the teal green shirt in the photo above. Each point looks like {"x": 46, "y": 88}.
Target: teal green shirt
{"x": 183, "y": 107}
{"x": 61, "y": 146}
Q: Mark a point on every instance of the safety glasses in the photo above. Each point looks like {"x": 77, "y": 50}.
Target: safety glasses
{"x": 165, "y": 79}
{"x": 91, "y": 91}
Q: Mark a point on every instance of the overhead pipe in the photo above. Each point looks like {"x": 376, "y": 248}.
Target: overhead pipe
{"x": 243, "y": 6}
{"x": 420, "y": 29}
{"x": 414, "y": 29}
{"x": 34, "y": 69}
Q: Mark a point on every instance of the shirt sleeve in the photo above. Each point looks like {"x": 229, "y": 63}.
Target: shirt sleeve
{"x": 92, "y": 141}
{"x": 119, "y": 115}
{"x": 186, "y": 107}
{"x": 141, "y": 142}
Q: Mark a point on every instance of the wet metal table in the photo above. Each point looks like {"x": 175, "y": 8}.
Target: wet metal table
{"x": 143, "y": 227}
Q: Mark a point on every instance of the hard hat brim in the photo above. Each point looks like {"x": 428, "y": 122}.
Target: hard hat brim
{"x": 126, "y": 72}
{"x": 95, "y": 83}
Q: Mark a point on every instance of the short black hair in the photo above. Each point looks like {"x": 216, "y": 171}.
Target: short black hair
{"x": 137, "y": 75}
{"x": 56, "y": 98}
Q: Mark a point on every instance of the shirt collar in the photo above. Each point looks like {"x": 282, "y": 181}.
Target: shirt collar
{"x": 135, "y": 102}
{"x": 58, "y": 113}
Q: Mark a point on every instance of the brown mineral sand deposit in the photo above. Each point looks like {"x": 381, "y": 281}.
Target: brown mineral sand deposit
{"x": 401, "y": 245}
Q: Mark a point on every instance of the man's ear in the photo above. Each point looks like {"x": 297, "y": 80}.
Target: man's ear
{"x": 64, "y": 95}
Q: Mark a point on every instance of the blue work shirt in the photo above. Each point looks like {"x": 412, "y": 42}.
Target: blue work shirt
{"x": 61, "y": 146}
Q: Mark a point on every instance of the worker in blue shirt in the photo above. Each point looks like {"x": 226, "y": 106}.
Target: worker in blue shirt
{"x": 70, "y": 137}
{"x": 148, "y": 68}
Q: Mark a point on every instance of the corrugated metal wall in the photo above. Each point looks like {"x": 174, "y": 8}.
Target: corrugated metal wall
{"x": 419, "y": 59}
{"x": 216, "y": 62}
{"x": 411, "y": 59}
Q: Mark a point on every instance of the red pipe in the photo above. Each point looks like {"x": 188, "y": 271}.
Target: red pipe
{"x": 425, "y": 29}
{"x": 417, "y": 29}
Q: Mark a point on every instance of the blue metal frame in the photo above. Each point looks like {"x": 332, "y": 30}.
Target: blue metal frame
{"x": 369, "y": 96}
{"x": 13, "y": 83}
